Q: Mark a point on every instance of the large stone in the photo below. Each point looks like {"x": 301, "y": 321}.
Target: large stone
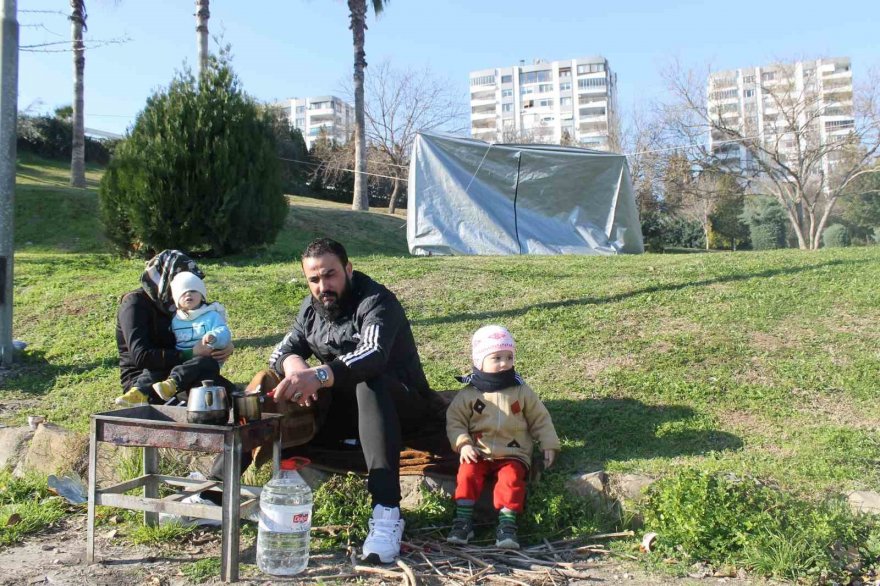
{"x": 864, "y": 501}
{"x": 592, "y": 486}
{"x": 54, "y": 450}
{"x": 630, "y": 487}
{"x": 13, "y": 445}
{"x": 411, "y": 488}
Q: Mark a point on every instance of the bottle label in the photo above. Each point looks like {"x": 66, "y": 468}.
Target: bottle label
{"x": 286, "y": 519}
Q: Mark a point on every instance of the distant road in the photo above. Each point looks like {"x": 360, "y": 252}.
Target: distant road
{"x": 102, "y": 133}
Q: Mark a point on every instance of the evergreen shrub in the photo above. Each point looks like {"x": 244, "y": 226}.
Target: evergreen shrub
{"x": 836, "y": 236}
{"x": 199, "y": 171}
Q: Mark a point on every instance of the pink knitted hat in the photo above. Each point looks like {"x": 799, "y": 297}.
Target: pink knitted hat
{"x": 489, "y": 339}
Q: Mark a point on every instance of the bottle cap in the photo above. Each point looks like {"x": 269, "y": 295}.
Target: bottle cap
{"x": 295, "y": 463}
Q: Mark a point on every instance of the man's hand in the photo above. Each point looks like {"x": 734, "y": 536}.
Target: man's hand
{"x": 300, "y": 386}
{"x": 469, "y": 453}
{"x": 549, "y": 458}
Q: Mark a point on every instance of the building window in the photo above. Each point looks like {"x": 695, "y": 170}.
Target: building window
{"x": 768, "y": 76}
{"x": 506, "y": 93}
{"x": 748, "y": 93}
{"x": 507, "y": 107}
{"x": 526, "y": 90}
{"x": 300, "y": 109}
{"x": 565, "y": 101}
{"x": 565, "y": 86}
{"x": 545, "y": 103}
{"x": 535, "y": 76}
{"x": 839, "y": 124}
{"x": 591, "y": 82}
{"x": 590, "y": 68}
{"x": 563, "y": 73}
{"x": 506, "y": 79}
{"x": 748, "y": 79}
{"x": 723, "y": 95}
{"x": 300, "y": 123}
{"x": 545, "y": 87}
{"x": 483, "y": 80}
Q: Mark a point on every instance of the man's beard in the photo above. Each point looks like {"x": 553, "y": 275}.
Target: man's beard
{"x": 336, "y": 304}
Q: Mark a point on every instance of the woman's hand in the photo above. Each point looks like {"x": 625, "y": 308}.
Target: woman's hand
{"x": 223, "y": 353}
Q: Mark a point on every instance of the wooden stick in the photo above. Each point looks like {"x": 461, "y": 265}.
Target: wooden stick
{"x": 408, "y": 572}
{"x": 479, "y": 575}
{"x": 381, "y": 572}
{"x": 421, "y": 553}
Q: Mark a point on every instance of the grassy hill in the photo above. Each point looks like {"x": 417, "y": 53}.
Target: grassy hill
{"x": 756, "y": 363}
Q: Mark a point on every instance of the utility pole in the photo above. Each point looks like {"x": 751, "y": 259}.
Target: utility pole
{"x": 8, "y": 116}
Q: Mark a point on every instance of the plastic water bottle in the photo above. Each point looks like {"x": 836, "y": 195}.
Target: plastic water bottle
{"x": 285, "y": 521}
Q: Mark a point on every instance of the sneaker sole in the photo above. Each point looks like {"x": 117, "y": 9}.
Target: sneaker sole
{"x": 459, "y": 541}
{"x": 375, "y": 560}
{"x": 507, "y": 544}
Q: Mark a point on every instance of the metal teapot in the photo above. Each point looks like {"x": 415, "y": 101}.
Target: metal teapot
{"x": 207, "y": 404}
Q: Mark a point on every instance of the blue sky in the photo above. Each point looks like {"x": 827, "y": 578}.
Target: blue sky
{"x": 285, "y": 48}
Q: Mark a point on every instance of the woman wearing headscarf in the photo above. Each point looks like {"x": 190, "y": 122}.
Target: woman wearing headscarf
{"x": 143, "y": 325}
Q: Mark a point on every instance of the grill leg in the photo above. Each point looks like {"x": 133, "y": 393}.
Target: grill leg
{"x": 231, "y": 505}
{"x": 151, "y": 487}
{"x": 93, "y": 473}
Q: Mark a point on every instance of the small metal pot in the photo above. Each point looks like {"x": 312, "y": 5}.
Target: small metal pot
{"x": 246, "y": 407}
{"x": 207, "y": 404}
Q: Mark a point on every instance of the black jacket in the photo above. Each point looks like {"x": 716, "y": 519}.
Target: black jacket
{"x": 144, "y": 338}
{"x": 372, "y": 338}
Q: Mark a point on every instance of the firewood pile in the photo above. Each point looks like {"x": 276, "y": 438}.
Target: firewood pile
{"x": 430, "y": 561}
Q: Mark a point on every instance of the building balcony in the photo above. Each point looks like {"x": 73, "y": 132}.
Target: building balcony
{"x": 483, "y": 114}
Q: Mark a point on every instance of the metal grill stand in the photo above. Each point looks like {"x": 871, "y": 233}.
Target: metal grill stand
{"x": 153, "y": 427}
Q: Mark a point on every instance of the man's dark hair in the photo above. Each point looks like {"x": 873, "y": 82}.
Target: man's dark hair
{"x": 322, "y": 246}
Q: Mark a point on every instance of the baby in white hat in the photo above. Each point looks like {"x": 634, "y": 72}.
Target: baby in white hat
{"x": 195, "y": 321}
{"x": 494, "y": 423}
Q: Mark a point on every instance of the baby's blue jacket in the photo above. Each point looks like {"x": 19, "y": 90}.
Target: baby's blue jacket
{"x": 203, "y": 320}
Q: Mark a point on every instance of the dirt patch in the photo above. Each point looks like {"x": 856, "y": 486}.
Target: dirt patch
{"x": 57, "y": 556}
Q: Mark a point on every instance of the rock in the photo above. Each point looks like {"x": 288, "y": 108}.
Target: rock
{"x": 864, "y": 501}
{"x": 313, "y": 477}
{"x": 630, "y": 486}
{"x": 411, "y": 488}
{"x": 13, "y": 445}
{"x": 54, "y": 450}
{"x": 592, "y": 486}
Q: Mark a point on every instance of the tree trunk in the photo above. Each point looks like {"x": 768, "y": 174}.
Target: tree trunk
{"x": 358, "y": 9}
{"x": 78, "y": 154}
{"x": 395, "y": 193}
{"x": 203, "y": 13}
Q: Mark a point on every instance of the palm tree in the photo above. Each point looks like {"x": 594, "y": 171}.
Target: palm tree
{"x": 358, "y": 10}
{"x": 78, "y": 155}
{"x": 202, "y": 15}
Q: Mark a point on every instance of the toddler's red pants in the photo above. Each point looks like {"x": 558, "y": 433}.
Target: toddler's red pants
{"x": 510, "y": 487}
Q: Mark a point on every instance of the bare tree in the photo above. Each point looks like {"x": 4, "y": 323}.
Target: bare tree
{"x": 646, "y": 152}
{"x": 358, "y": 16}
{"x": 78, "y": 156}
{"x": 805, "y": 169}
{"x": 399, "y": 104}
{"x": 203, "y": 13}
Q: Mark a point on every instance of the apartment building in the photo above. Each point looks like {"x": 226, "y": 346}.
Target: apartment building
{"x": 310, "y": 115}
{"x": 560, "y": 102}
{"x": 762, "y": 102}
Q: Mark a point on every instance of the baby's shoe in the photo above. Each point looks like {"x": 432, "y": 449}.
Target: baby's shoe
{"x": 462, "y": 531}
{"x": 166, "y": 389}
{"x": 133, "y": 398}
{"x": 505, "y": 536}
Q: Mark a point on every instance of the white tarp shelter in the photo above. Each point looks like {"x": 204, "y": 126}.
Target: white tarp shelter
{"x": 467, "y": 196}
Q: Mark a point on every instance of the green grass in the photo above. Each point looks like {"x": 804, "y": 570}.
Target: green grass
{"x": 26, "y": 506}
{"x": 761, "y": 364}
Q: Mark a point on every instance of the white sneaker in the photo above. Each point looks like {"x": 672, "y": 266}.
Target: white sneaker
{"x": 190, "y": 521}
{"x": 386, "y": 530}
